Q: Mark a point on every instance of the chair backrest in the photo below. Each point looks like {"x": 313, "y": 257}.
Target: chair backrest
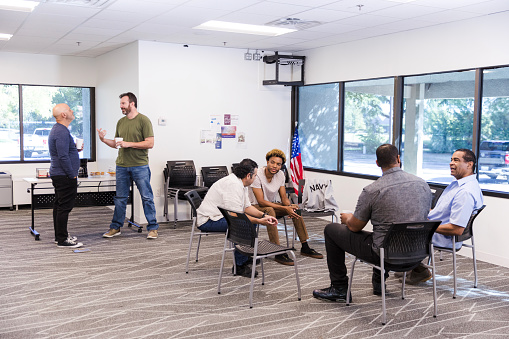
{"x": 468, "y": 232}
{"x": 235, "y": 164}
{"x": 194, "y": 200}
{"x": 181, "y": 173}
{"x": 302, "y": 183}
{"x": 212, "y": 174}
{"x": 240, "y": 229}
{"x": 436, "y": 195}
{"x": 285, "y": 171}
{"x": 409, "y": 241}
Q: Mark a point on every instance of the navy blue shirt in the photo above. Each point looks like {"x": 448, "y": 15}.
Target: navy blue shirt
{"x": 65, "y": 159}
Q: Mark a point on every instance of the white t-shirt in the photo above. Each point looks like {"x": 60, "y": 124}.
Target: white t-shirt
{"x": 228, "y": 192}
{"x": 270, "y": 189}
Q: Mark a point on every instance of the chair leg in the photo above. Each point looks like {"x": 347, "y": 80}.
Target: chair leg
{"x": 175, "y": 209}
{"x": 475, "y": 262}
{"x": 454, "y": 269}
{"x": 222, "y": 264}
{"x": 253, "y": 271}
{"x": 350, "y": 283}
{"x": 189, "y": 251}
{"x": 286, "y": 232}
{"x": 198, "y": 247}
{"x": 382, "y": 282}
{"x": 292, "y": 255}
{"x": 403, "y": 286}
{"x": 432, "y": 256}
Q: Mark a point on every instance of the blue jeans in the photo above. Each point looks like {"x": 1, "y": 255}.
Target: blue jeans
{"x": 141, "y": 176}
{"x": 221, "y": 226}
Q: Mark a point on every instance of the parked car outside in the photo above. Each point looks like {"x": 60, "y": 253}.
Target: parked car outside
{"x": 494, "y": 158}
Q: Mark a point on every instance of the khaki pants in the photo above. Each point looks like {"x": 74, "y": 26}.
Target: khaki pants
{"x": 300, "y": 227}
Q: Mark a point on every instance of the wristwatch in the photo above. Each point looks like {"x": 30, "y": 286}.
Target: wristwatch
{"x": 263, "y": 216}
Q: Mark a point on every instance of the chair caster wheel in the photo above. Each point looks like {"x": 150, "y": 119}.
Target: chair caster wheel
{"x": 139, "y": 230}
{"x": 299, "y": 299}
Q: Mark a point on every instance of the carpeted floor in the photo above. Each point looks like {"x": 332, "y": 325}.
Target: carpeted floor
{"x": 131, "y": 287}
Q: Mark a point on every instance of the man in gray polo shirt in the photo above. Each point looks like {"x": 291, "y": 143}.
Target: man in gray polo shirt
{"x": 396, "y": 196}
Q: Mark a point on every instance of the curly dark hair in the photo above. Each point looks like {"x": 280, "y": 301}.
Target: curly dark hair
{"x": 276, "y": 153}
{"x": 244, "y": 168}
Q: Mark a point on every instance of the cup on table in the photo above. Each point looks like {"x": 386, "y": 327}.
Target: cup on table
{"x": 79, "y": 143}
{"x": 118, "y": 140}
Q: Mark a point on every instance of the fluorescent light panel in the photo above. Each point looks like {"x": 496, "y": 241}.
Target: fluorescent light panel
{"x": 18, "y": 5}
{"x": 4, "y": 36}
{"x": 233, "y": 27}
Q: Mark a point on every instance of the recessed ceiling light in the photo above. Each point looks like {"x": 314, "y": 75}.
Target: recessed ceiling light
{"x": 18, "y": 5}
{"x": 233, "y": 27}
{"x": 4, "y": 36}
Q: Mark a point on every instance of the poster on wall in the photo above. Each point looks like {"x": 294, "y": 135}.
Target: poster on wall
{"x": 219, "y": 141}
{"x": 241, "y": 139}
{"x": 215, "y": 123}
{"x": 206, "y": 137}
{"x": 227, "y": 119}
{"x": 234, "y": 119}
{"x": 228, "y": 131}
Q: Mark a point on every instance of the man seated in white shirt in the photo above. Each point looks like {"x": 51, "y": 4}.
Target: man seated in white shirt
{"x": 231, "y": 193}
{"x": 268, "y": 188}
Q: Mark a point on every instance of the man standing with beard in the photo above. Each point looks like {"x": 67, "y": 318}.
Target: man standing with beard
{"x": 134, "y": 137}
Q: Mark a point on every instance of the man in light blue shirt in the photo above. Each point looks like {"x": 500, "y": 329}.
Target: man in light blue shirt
{"x": 454, "y": 206}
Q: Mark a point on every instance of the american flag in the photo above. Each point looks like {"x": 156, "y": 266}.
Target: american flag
{"x": 296, "y": 162}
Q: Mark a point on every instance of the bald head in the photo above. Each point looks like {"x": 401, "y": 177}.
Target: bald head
{"x": 63, "y": 114}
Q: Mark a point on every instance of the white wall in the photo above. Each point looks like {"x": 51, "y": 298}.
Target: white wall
{"x": 467, "y": 44}
{"x": 185, "y": 86}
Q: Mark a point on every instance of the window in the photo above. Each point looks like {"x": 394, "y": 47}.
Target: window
{"x": 318, "y": 126}
{"x": 493, "y": 156}
{"x": 37, "y": 119}
{"x": 368, "y": 123}
{"x": 438, "y": 119}
{"x": 9, "y": 123}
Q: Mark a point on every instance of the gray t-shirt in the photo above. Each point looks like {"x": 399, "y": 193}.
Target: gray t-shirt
{"x": 396, "y": 196}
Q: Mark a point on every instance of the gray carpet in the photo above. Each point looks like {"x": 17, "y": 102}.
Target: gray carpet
{"x": 131, "y": 287}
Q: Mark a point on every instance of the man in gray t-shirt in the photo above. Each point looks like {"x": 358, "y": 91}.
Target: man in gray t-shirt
{"x": 395, "y": 196}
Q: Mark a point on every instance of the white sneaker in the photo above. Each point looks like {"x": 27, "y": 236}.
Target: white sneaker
{"x": 69, "y": 237}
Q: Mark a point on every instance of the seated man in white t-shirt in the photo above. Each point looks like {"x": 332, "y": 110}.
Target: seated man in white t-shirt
{"x": 268, "y": 187}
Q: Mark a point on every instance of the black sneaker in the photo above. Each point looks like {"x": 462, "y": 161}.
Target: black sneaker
{"x": 70, "y": 244}
{"x": 332, "y": 293}
{"x": 311, "y": 253}
{"x": 69, "y": 237}
{"x": 284, "y": 259}
{"x": 244, "y": 270}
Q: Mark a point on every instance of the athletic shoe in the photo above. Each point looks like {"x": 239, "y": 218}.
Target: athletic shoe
{"x": 152, "y": 234}
{"x": 111, "y": 233}
{"x": 416, "y": 277}
{"x": 70, "y": 244}
{"x": 69, "y": 237}
{"x": 311, "y": 253}
{"x": 284, "y": 259}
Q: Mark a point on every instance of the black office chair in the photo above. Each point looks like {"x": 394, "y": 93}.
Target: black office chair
{"x": 212, "y": 174}
{"x": 405, "y": 245}
{"x": 235, "y": 164}
{"x": 332, "y": 214}
{"x": 245, "y": 235}
{"x": 436, "y": 193}
{"x": 468, "y": 233}
{"x": 195, "y": 201}
{"x": 180, "y": 178}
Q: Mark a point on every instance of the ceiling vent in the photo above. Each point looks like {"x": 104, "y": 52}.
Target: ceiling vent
{"x": 293, "y": 23}
{"x": 81, "y": 3}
